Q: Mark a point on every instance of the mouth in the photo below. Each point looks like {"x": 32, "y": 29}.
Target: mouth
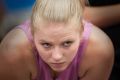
{"x": 58, "y": 65}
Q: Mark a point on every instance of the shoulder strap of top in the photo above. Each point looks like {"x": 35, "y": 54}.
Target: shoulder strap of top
{"x": 87, "y": 30}
{"x": 26, "y": 28}
{"x": 85, "y": 39}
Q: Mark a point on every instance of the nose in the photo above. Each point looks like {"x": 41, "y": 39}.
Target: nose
{"x": 57, "y": 54}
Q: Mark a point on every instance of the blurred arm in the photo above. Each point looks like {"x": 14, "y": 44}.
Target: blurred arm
{"x": 103, "y": 16}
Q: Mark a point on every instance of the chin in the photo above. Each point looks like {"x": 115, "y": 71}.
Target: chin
{"x": 58, "y": 68}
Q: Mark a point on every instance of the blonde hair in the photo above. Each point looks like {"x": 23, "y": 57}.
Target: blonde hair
{"x": 57, "y": 11}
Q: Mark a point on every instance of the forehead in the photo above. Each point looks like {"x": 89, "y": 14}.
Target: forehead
{"x": 54, "y": 26}
{"x": 56, "y": 31}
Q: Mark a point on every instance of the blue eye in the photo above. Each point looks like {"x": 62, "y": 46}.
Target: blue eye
{"x": 67, "y": 44}
{"x": 46, "y": 45}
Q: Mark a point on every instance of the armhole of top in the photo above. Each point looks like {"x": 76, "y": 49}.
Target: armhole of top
{"x": 25, "y": 27}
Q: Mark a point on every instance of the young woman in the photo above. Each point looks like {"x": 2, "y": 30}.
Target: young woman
{"x": 56, "y": 44}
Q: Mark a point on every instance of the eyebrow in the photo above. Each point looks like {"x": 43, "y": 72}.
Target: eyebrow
{"x": 45, "y": 41}
{"x": 52, "y": 42}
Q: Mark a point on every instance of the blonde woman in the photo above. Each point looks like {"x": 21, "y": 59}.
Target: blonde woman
{"x": 56, "y": 44}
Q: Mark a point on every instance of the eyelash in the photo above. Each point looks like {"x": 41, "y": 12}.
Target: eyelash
{"x": 67, "y": 43}
{"x": 46, "y": 45}
{"x": 64, "y": 44}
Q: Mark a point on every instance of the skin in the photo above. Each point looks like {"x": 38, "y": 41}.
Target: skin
{"x": 18, "y": 62}
{"x": 103, "y": 16}
{"x": 57, "y": 51}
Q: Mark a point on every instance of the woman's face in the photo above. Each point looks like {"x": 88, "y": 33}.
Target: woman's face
{"x": 57, "y": 44}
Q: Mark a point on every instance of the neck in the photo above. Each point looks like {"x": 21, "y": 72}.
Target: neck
{"x": 55, "y": 74}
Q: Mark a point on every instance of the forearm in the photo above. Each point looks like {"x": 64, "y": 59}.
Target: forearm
{"x": 103, "y": 16}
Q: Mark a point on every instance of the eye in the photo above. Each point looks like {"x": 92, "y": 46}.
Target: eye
{"x": 67, "y": 43}
{"x": 46, "y": 45}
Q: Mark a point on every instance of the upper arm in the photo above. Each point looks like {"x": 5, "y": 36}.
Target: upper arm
{"x": 99, "y": 69}
{"x": 100, "y": 58}
{"x": 12, "y": 57}
{"x": 100, "y": 17}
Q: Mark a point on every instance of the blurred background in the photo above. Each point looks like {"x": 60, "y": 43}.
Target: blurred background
{"x": 12, "y": 13}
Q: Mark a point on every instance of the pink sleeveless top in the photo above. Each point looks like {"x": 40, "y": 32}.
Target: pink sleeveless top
{"x": 71, "y": 73}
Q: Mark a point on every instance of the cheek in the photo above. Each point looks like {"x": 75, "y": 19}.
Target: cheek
{"x": 42, "y": 53}
{"x": 72, "y": 52}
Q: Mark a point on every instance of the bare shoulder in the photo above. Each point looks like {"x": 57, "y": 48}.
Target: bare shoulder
{"x": 14, "y": 43}
{"x": 99, "y": 56}
{"x": 100, "y": 42}
{"x": 16, "y": 56}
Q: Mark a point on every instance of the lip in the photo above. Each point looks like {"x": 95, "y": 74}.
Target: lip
{"x": 58, "y": 64}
